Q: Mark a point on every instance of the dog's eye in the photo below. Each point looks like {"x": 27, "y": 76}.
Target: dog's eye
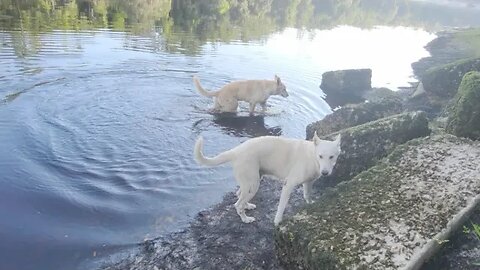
{"x": 331, "y": 157}
{"x": 320, "y": 156}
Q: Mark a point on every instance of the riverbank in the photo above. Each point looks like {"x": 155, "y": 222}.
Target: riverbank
{"x": 216, "y": 239}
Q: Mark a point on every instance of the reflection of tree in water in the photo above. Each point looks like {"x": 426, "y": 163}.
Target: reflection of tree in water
{"x": 188, "y": 24}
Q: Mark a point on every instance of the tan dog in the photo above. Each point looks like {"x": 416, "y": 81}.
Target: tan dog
{"x": 252, "y": 91}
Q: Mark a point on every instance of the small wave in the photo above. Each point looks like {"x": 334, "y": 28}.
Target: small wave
{"x": 11, "y": 97}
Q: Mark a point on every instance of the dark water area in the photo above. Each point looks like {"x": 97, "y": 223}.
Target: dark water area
{"x": 98, "y": 113}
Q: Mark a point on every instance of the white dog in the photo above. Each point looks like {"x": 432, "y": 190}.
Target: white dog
{"x": 252, "y": 91}
{"x": 293, "y": 161}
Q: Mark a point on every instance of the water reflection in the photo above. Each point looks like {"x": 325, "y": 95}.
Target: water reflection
{"x": 245, "y": 126}
{"x": 200, "y": 21}
{"x": 340, "y": 99}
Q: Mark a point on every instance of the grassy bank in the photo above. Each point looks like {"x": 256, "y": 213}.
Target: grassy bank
{"x": 471, "y": 39}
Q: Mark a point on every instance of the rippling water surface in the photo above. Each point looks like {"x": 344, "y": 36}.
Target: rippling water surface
{"x": 97, "y": 126}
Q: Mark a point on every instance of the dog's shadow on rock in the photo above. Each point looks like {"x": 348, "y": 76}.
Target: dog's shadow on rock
{"x": 241, "y": 126}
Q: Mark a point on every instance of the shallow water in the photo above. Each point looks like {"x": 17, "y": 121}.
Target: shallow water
{"x": 97, "y": 125}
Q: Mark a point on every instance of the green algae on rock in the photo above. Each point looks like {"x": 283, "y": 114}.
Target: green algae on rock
{"x": 464, "y": 118}
{"x": 363, "y": 145}
{"x": 346, "y": 86}
{"x": 443, "y": 81}
{"x": 354, "y": 115}
{"x": 386, "y": 216}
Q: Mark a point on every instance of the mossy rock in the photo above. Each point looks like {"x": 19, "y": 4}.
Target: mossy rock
{"x": 464, "y": 118}
{"x": 363, "y": 145}
{"x": 356, "y": 114}
{"x": 347, "y": 80}
{"x": 346, "y": 86}
{"x": 444, "y": 81}
{"x": 388, "y": 215}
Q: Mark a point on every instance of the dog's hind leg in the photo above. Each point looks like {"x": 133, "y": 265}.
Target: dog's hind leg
{"x": 250, "y": 206}
{"x": 226, "y": 104}
{"x": 218, "y": 106}
{"x": 249, "y": 183}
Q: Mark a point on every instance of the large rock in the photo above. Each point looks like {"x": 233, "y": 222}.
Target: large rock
{"x": 464, "y": 119}
{"x": 393, "y": 216}
{"x": 444, "y": 81}
{"x": 363, "y": 145}
{"x": 355, "y": 114}
{"x": 346, "y": 86}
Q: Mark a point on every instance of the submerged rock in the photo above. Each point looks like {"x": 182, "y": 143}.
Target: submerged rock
{"x": 395, "y": 215}
{"x": 346, "y": 86}
{"x": 363, "y": 145}
{"x": 356, "y": 114}
{"x": 464, "y": 119}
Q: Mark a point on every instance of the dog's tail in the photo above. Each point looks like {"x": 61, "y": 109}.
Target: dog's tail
{"x": 201, "y": 90}
{"x": 215, "y": 161}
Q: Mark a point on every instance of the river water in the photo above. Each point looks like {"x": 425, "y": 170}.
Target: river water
{"x": 98, "y": 113}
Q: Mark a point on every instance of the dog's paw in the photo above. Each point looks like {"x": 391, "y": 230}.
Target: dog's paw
{"x": 250, "y": 206}
{"x": 310, "y": 201}
{"x": 277, "y": 221}
{"x": 248, "y": 220}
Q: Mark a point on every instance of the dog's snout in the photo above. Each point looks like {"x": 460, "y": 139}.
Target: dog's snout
{"x": 324, "y": 173}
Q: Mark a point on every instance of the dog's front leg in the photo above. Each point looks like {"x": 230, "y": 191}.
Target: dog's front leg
{"x": 286, "y": 191}
{"x": 307, "y": 191}
{"x": 252, "y": 107}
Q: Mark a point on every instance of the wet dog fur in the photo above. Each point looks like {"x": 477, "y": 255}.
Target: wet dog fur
{"x": 252, "y": 91}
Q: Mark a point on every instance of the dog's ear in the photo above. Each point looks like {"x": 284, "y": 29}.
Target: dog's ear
{"x": 316, "y": 139}
{"x": 277, "y": 79}
{"x": 338, "y": 139}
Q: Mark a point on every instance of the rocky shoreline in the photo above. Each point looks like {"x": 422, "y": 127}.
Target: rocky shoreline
{"x": 391, "y": 216}
{"x": 443, "y": 50}
{"x": 216, "y": 239}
